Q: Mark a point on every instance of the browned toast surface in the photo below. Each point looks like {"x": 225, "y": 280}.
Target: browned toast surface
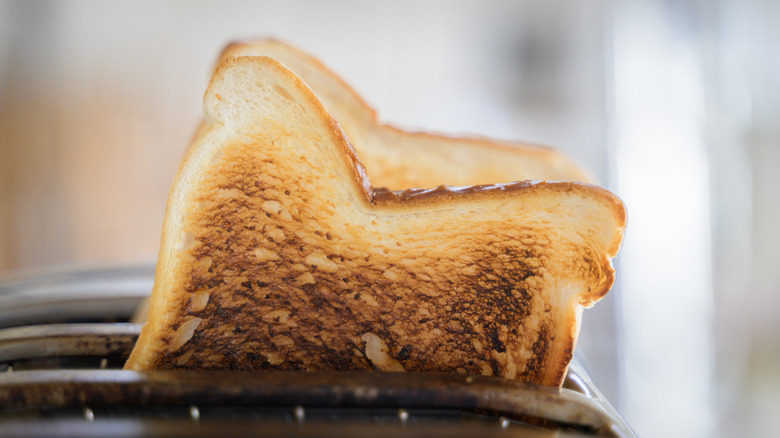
{"x": 276, "y": 253}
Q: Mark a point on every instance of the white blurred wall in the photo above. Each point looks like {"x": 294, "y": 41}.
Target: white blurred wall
{"x": 674, "y": 105}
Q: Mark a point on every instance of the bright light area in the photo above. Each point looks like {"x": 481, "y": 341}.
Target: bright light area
{"x": 665, "y": 268}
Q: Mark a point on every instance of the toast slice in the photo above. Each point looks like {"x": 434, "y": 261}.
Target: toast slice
{"x": 398, "y": 159}
{"x": 277, "y": 253}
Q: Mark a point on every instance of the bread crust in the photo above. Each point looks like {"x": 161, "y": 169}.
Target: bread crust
{"x": 277, "y": 253}
{"x": 399, "y": 159}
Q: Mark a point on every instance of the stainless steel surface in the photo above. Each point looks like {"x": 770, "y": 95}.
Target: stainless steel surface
{"x": 62, "y": 379}
{"x": 54, "y": 340}
{"x": 69, "y": 295}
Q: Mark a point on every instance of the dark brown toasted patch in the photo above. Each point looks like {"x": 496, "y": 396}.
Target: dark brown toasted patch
{"x": 293, "y": 285}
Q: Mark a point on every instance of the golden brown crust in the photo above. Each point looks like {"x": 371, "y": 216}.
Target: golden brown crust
{"x": 257, "y": 46}
{"x": 276, "y": 255}
{"x": 399, "y": 159}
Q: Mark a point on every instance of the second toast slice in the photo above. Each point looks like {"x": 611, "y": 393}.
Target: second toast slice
{"x": 399, "y": 159}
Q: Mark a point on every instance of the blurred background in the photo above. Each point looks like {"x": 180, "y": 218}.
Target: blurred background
{"x": 675, "y": 105}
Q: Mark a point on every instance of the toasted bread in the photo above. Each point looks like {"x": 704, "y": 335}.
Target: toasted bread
{"x": 277, "y": 253}
{"x": 398, "y": 159}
